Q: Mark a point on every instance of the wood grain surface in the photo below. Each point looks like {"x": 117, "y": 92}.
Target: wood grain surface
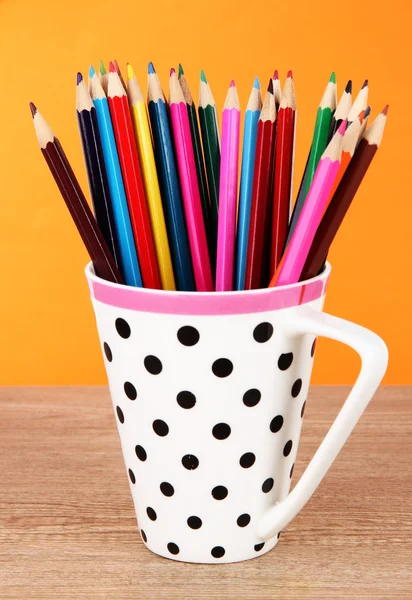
{"x": 68, "y": 530}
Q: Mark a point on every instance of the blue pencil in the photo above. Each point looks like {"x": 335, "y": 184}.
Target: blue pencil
{"x": 127, "y": 247}
{"x": 169, "y": 184}
{"x": 252, "y": 115}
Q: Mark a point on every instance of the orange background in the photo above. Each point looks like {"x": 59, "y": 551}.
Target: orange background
{"x": 48, "y": 332}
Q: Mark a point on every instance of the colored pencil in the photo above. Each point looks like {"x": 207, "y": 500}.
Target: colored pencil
{"x": 190, "y": 188}
{"x": 211, "y": 144}
{"x": 169, "y": 184}
{"x": 277, "y": 90}
{"x": 284, "y": 154}
{"x": 73, "y": 196}
{"x": 150, "y": 180}
{"x": 259, "y": 228}
{"x": 252, "y": 115}
{"x": 360, "y": 103}
{"x": 226, "y": 232}
{"x": 127, "y": 248}
{"x": 103, "y": 77}
{"x": 293, "y": 260}
{"x": 344, "y": 195}
{"x": 95, "y": 167}
{"x": 132, "y": 178}
{"x": 342, "y": 110}
{"x": 200, "y": 167}
{"x": 324, "y": 115}
{"x": 118, "y": 71}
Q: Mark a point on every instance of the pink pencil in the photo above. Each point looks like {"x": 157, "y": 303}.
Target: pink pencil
{"x": 226, "y": 230}
{"x": 190, "y": 188}
{"x": 293, "y": 260}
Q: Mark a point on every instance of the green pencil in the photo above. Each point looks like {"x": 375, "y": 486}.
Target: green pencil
{"x": 211, "y": 144}
{"x": 200, "y": 168}
{"x": 103, "y": 77}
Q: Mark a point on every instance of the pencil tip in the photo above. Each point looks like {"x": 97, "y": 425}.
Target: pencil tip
{"x": 276, "y": 74}
{"x": 33, "y": 109}
{"x": 102, "y": 68}
{"x": 342, "y": 127}
{"x": 365, "y": 84}
{"x": 366, "y": 112}
{"x": 348, "y": 88}
{"x": 150, "y": 68}
{"x": 130, "y": 71}
{"x": 270, "y": 86}
{"x": 290, "y": 74}
{"x": 116, "y": 67}
{"x": 111, "y": 68}
{"x": 232, "y": 83}
{"x": 92, "y": 72}
{"x": 332, "y": 78}
{"x": 256, "y": 83}
{"x": 385, "y": 110}
{"x": 79, "y": 78}
{"x": 180, "y": 71}
{"x": 172, "y": 71}
{"x": 203, "y": 76}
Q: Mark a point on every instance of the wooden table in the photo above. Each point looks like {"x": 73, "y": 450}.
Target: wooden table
{"x": 67, "y": 525}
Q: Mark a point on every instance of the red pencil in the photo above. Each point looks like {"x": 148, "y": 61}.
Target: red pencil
{"x": 133, "y": 182}
{"x": 259, "y": 227}
{"x": 285, "y": 141}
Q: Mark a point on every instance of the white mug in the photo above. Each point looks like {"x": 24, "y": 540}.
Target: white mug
{"x": 209, "y": 392}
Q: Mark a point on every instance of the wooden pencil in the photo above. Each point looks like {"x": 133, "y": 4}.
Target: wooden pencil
{"x": 290, "y": 268}
{"x": 200, "y": 168}
{"x": 259, "y": 228}
{"x": 277, "y": 90}
{"x": 344, "y": 195}
{"x": 226, "y": 232}
{"x": 96, "y": 169}
{"x": 211, "y": 144}
{"x": 284, "y": 154}
{"x": 132, "y": 178}
{"x": 150, "y": 180}
{"x": 252, "y": 115}
{"x": 73, "y": 196}
{"x": 169, "y": 183}
{"x": 103, "y": 77}
{"x": 360, "y": 103}
{"x": 127, "y": 246}
{"x": 190, "y": 188}
{"x": 342, "y": 110}
{"x": 118, "y": 71}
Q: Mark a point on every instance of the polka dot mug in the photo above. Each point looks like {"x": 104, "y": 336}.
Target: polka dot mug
{"x": 209, "y": 392}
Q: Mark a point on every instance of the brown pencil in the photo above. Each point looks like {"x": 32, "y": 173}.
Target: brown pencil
{"x": 76, "y": 202}
{"x": 344, "y": 195}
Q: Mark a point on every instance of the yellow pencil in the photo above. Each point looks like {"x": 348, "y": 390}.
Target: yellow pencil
{"x": 151, "y": 183}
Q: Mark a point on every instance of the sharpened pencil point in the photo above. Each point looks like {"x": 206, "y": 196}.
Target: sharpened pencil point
{"x": 332, "y": 78}
{"x": 172, "y": 71}
{"x": 385, "y": 110}
{"x": 130, "y": 72}
{"x": 203, "y": 76}
{"x": 32, "y": 108}
{"x": 365, "y": 84}
{"x": 116, "y": 66}
{"x": 232, "y": 83}
{"x": 290, "y": 74}
{"x": 276, "y": 74}
{"x": 348, "y": 88}
{"x": 256, "y": 83}
{"x": 342, "y": 127}
{"x": 111, "y": 68}
{"x": 270, "y": 86}
{"x": 180, "y": 71}
{"x": 150, "y": 69}
{"x": 92, "y": 72}
{"x": 366, "y": 112}
{"x": 79, "y": 78}
{"x": 102, "y": 68}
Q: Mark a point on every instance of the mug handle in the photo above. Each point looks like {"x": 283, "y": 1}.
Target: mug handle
{"x": 374, "y": 355}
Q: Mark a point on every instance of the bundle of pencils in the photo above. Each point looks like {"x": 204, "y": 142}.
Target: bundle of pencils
{"x": 167, "y": 213}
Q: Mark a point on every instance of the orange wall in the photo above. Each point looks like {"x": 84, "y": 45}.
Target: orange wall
{"x": 48, "y": 334}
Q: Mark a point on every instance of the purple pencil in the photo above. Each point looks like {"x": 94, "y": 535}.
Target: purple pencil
{"x": 226, "y": 233}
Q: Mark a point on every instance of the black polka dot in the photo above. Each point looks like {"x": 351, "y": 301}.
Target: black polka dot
{"x": 130, "y": 390}
{"x": 167, "y": 489}
{"x": 267, "y": 485}
{"x": 173, "y": 548}
{"x": 276, "y": 424}
{"x": 132, "y": 477}
{"x": 312, "y": 350}
{"x": 140, "y": 453}
{"x": 218, "y": 552}
{"x": 291, "y": 470}
{"x": 120, "y": 414}
{"x": 186, "y": 399}
{"x": 194, "y": 522}
{"x": 160, "y": 427}
{"x": 251, "y": 397}
{"x": 258, "y": 547}
{"x": 219, "y": 492}
{"x": 285, "y": 360}
{"x": 108, "y": 352}
{"x": 302, "y": 412}
{"x": 144, "y": 536}
{"x": 296, "y": 387}
{"x": 243, "y": 520}
{"x": 247, "y": 460}
{"x": 188, "y": 335}
{"x": 287, "y": 448}
{"x": 222, "y": 367}
{"x": 151, "y": 513}
{"x": 122, "y": 328}
{"x": 153, "y": 365}
{"x": 190, "y": 462}
{"x": 263, "y": 332}
{"x": 221, "y": 431}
